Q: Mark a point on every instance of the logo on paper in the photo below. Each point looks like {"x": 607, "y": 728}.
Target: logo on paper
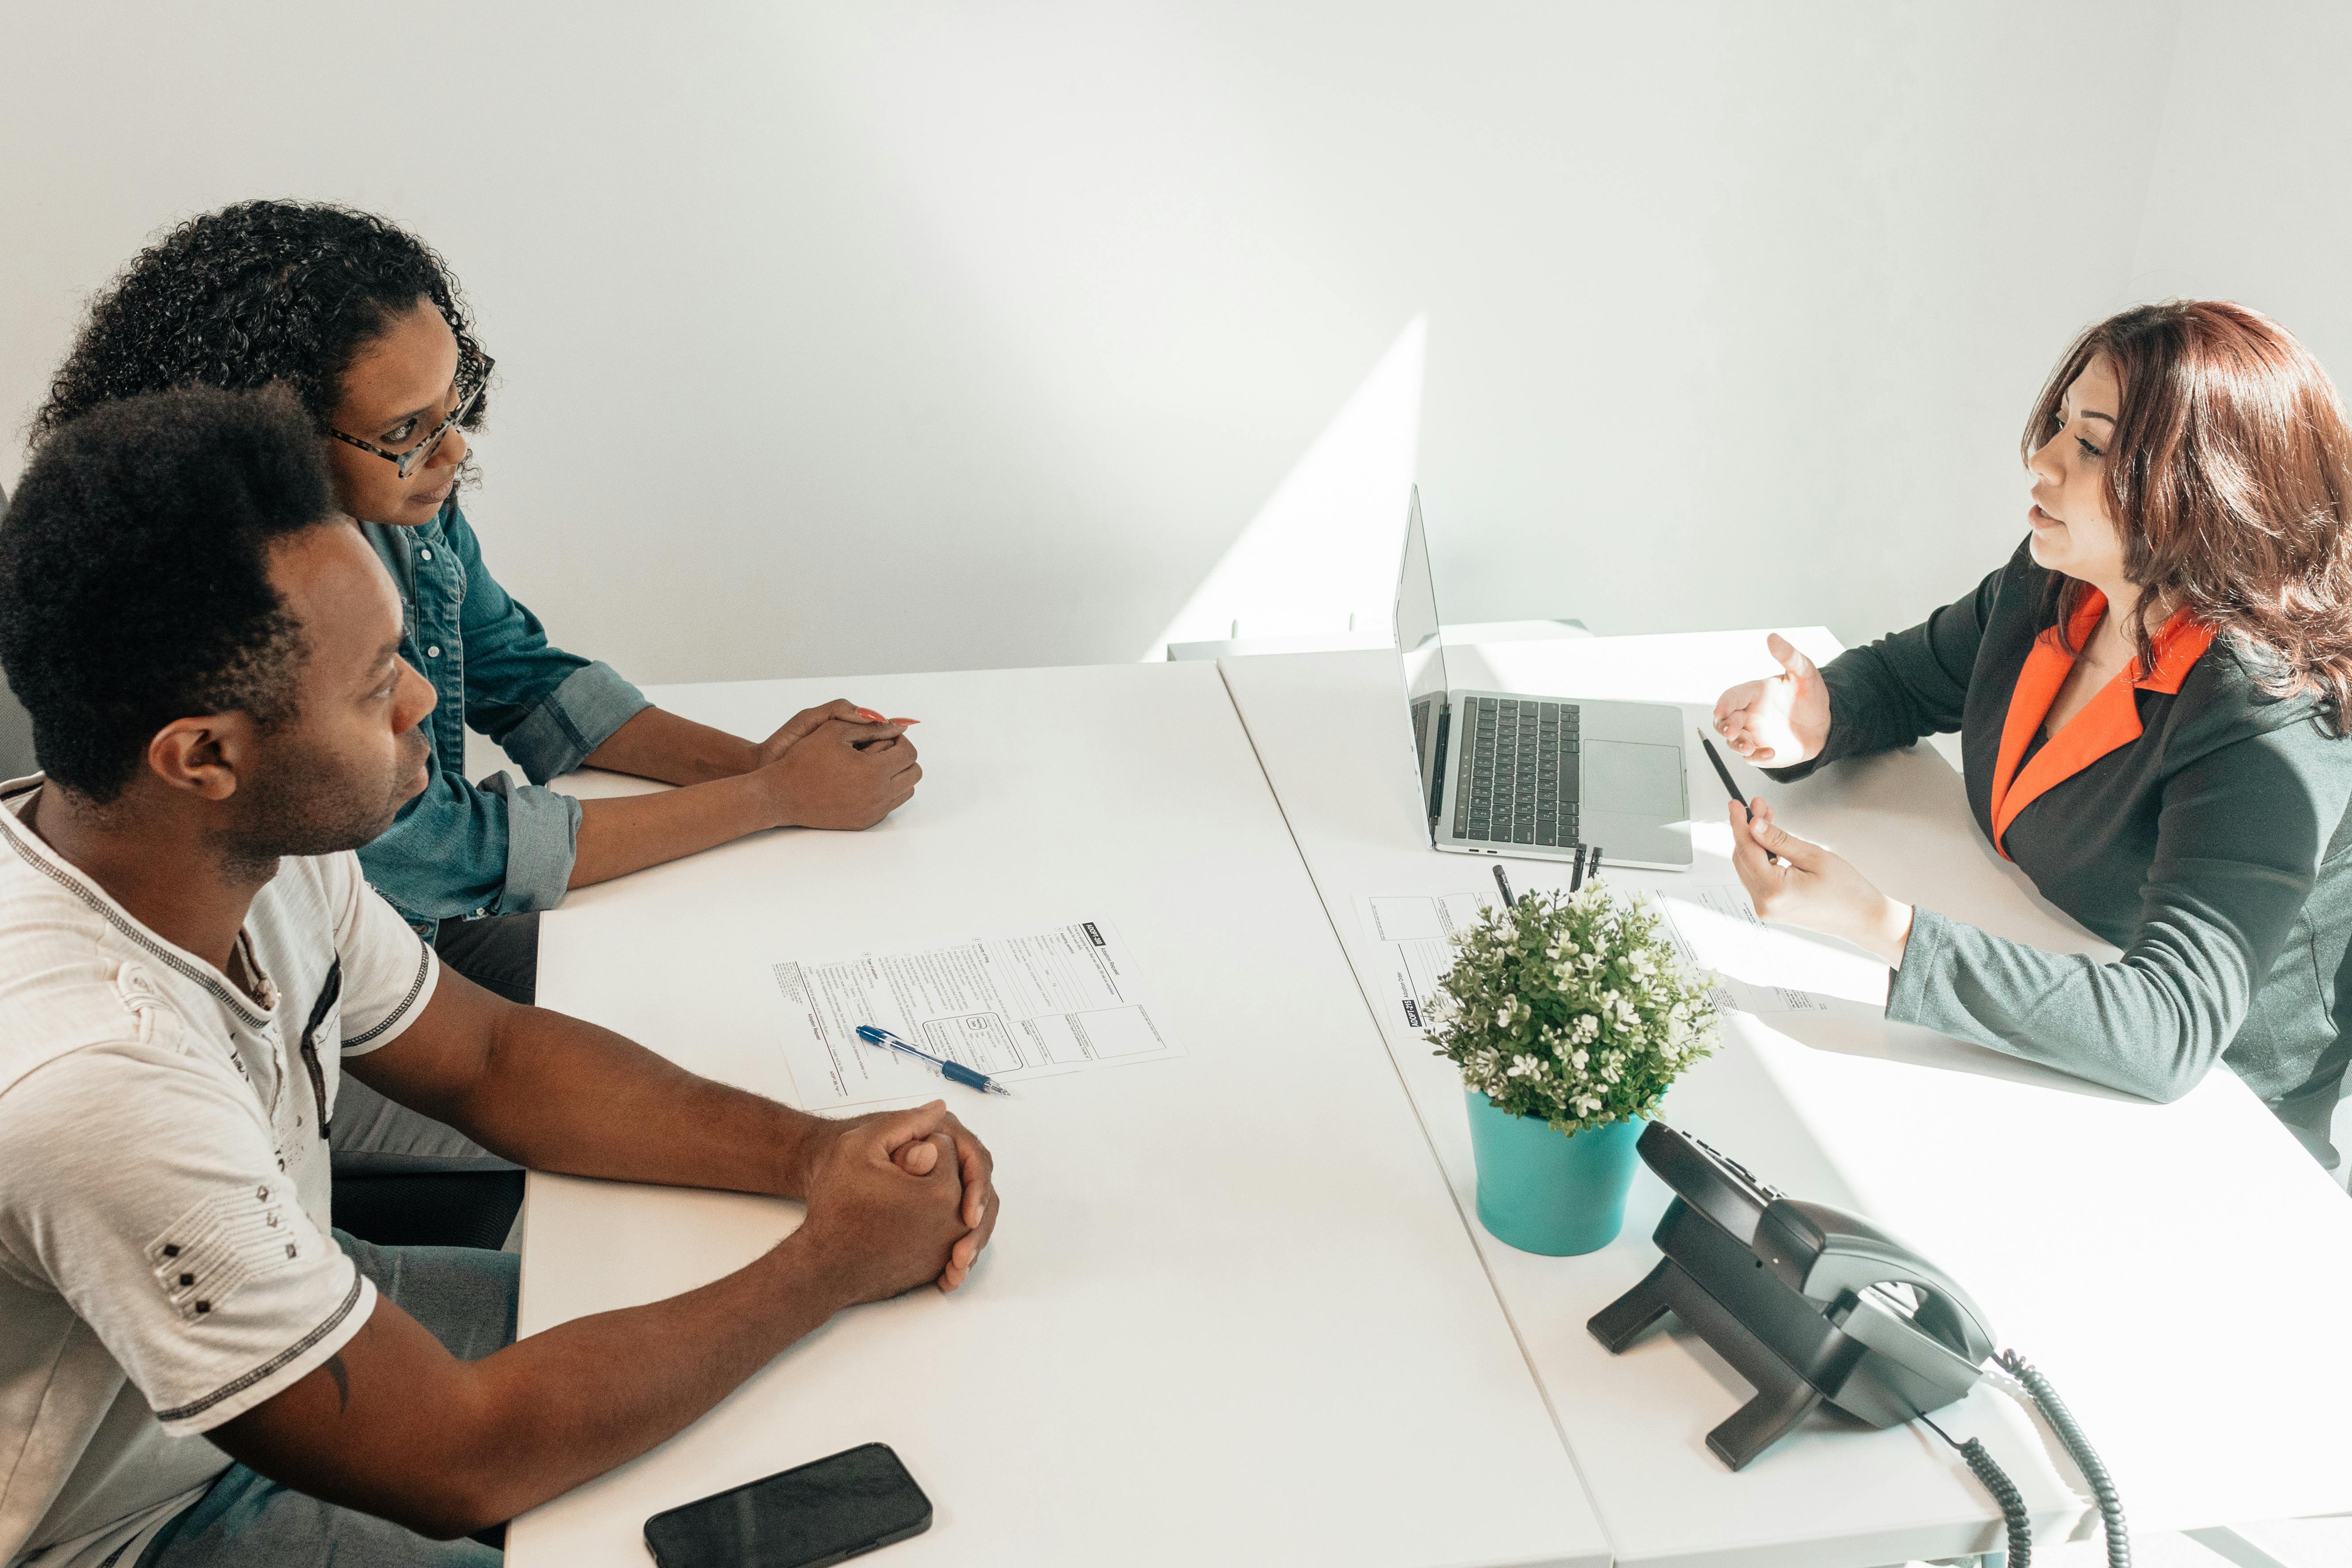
{"x": 1411, "y": 1013}
{"x": 1093, "y": 935}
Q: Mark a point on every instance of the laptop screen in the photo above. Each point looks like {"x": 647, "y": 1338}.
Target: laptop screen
{"x": 1424, "y": 653}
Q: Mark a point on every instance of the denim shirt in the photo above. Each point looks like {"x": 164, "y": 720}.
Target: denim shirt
{"x": 463, "y": 850}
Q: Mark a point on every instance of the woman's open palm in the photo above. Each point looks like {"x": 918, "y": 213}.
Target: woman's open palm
{"x": 1782, "y": 720}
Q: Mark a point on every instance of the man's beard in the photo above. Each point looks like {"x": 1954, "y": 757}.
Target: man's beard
{"x": 302, "y": 803}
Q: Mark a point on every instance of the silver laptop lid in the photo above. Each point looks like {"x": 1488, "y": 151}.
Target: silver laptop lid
{"x": 1422, "y": 651}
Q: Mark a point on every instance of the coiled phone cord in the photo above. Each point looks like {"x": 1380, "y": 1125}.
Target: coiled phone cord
{"x": 2102, "y": 1487}
{"x": 2004, "y": 1491}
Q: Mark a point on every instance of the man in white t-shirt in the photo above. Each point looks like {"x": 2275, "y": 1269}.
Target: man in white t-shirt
{"x": 195, "y": 1369}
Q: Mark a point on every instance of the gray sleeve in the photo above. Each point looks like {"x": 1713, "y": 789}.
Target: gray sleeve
{"x": 2239, "y": 846}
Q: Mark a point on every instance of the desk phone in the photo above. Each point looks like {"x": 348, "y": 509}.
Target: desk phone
{"x": 1816, "y": 1306}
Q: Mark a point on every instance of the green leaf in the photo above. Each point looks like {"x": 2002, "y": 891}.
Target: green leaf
{"x": 1580, "y": 972}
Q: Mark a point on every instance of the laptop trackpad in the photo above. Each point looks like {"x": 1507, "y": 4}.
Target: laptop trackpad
{"x": 1628, "y": 776}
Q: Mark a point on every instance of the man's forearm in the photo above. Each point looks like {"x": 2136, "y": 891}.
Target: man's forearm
{"x": 474, "y": 1442}
{"x": 556, "y": 1093}
{"x": 622, "y": 833}
{"x": 658, "y": 744}
{"x": 595, "y": 1392}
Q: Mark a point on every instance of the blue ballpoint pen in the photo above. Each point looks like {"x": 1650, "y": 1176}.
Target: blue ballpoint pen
{"x": 955, "y": 1073}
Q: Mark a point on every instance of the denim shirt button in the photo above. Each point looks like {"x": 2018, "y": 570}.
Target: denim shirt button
{"x": 432, "y": 652}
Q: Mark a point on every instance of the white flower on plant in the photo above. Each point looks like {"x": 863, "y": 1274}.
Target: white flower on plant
{"x": 1633, "y": 1010}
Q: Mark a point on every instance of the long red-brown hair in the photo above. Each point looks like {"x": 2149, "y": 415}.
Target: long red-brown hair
{"x": 2230, "y": 474}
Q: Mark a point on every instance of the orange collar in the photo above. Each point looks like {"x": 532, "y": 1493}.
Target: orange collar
{"x": 2110, "y": 720}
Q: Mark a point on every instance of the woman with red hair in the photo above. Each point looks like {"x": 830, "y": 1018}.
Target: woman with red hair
{"x": 2152, "y": 700}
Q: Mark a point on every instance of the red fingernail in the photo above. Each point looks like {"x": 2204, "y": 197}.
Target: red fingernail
{"x": 869, "y": 713}
{"x": 906, "y": 721}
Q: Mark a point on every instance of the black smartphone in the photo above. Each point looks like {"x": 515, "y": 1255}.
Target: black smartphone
{"x": 821, "y": 1512}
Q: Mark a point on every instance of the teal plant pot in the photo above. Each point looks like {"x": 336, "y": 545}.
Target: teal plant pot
{"x": 1547, "y": 1192}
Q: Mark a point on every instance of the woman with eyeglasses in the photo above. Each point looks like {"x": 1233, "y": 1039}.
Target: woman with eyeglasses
{"x": 2154, "y": 700}
{"x": 365, "y": 325}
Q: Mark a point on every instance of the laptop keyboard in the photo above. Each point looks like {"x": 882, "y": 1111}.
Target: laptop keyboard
{"x": 1517, "y": 783}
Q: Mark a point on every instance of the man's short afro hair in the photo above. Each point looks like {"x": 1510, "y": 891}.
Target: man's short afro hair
{"x": 135, "y": 577}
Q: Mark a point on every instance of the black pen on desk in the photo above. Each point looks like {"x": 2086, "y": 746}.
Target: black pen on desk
{"x": 1723, "y": 774}
{"x": 1504, "y": 883}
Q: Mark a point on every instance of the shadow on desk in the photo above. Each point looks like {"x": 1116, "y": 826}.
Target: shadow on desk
{"x": 1857, "y": 1029}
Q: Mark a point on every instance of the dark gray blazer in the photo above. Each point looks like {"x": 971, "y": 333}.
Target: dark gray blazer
{"x": 2213, "y": 850}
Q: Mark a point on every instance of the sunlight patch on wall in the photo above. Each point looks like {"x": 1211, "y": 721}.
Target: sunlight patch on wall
{"x": 1319, "y": 559}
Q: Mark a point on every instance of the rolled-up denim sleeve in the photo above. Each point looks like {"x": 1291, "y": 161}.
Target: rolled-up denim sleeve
{"x": 542, "y": 840}
{"x": 492, "y": 848}
{"x": 547, "y": 708}
{"x": 572, "y": 721}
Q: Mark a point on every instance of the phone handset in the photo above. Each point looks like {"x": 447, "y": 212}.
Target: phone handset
{"x": 1823, "y": 1254}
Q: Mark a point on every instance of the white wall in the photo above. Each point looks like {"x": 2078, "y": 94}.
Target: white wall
{"x": 2250, "y": 197}
{"x": 893, "y": 335}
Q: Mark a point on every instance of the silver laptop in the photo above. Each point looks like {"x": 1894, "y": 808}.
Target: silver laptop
{"x": 1538, "y": 777}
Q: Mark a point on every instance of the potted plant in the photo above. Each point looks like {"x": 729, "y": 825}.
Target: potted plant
{"x": 1570, "y": 1015}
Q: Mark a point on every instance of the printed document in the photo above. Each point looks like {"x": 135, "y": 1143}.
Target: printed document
{"x": 1060, "y": 1000}
{"x": 1413, "y": 934}
{"x": 1712, "y": 925}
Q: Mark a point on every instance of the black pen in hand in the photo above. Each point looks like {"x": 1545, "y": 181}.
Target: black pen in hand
{"x": 1723, "y": 774}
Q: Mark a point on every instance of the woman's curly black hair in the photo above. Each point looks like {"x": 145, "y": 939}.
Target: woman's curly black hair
{"x": 261, "y": 292}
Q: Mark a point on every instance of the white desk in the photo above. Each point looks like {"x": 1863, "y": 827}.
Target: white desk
{"x": 2178, "y": 1270}
{"x": 1231, "y": 1315}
